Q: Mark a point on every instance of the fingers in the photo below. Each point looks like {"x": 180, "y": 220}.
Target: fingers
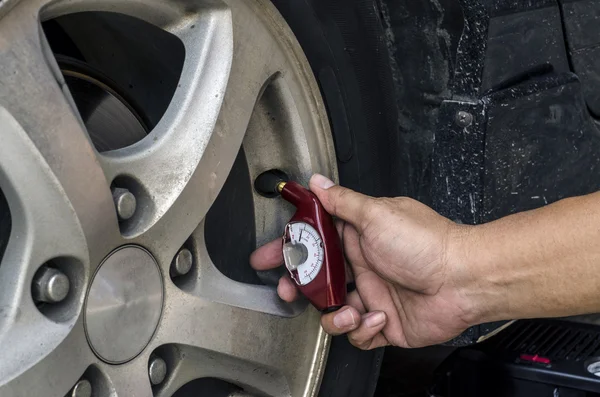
{"x": 269, "y": 256}
{"x": 369, "y": 331}
{"x": 286, "y": 289}
{"x": 341, "y": 321}
{"x": 364, "y": 331}
{"x": 340, "y": 201}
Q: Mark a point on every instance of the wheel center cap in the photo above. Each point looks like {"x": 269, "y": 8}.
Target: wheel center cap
{"x": 124, "y": 304}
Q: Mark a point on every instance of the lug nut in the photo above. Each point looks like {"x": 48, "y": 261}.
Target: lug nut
{"x": 125, "y": 203}
{"x": 50, "y": 285}
{"x": 83, "y": 388}
{"x": 182, "y": 263}
{"x": 157, "y": 370}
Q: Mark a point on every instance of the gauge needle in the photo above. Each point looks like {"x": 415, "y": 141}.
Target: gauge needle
{"x": 300, "y": 237}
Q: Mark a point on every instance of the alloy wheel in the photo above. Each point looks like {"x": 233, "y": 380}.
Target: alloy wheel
{"x": 128, "y": 299}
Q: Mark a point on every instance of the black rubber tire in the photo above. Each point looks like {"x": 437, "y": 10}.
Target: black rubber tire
{"x": 344, "y": 43}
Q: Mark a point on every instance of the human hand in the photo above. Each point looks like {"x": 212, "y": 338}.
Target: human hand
{"x": 404, "y": 259}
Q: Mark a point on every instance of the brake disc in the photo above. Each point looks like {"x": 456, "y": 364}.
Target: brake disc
{"x": 111, "y": 120}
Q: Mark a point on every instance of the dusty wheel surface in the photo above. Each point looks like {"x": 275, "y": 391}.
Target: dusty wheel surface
{"x": 108, "y": 282}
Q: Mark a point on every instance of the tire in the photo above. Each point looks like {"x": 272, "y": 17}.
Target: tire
{"x": 344, "y": 43}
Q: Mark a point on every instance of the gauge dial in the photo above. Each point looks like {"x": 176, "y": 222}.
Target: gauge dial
{"x": 302, "y": 252}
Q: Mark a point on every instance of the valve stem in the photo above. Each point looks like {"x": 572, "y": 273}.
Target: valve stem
{"x": 270, "y": 183}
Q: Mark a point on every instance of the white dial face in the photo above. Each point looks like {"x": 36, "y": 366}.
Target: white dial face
{"x": 305, "y": 263}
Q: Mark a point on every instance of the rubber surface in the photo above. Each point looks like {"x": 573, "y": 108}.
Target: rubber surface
{"x": 344, "y": 43}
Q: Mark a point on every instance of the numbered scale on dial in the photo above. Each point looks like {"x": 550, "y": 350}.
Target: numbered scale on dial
{"x": 302, "y": 252}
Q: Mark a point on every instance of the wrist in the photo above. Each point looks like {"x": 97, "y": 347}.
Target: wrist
{"x": 470, "y": 265}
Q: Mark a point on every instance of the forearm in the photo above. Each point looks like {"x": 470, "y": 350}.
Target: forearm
{"x": 540, "y": 263}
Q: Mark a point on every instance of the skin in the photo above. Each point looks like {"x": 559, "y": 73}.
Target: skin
{"x": 422, "y": 279}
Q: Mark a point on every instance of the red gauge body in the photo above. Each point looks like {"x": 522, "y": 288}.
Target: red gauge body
{"x": 327, "y": 290}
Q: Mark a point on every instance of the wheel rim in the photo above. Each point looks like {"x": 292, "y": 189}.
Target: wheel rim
{"x": 242, "y": 65}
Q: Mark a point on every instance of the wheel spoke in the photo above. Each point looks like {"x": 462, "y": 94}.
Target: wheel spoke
{"x": 40, "y": 208}
{"x": 165, "y": 160}
{"x": 61, "y": 368}
{"x": 238, "y": 332}
{"x": 252, "y": 68}
{"x": 255, "y": 350}
{"x": 58, "y": 199}
{"x": 209, "y": 283}
{"x": 34, "y": 93}
{"x": 192, "y": 363}
{"x": 170, "y": 15}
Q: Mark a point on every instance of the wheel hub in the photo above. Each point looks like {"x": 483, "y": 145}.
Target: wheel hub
{"x": 124, "y": 304}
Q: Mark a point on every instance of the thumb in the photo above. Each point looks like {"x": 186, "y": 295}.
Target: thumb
{"x": 340, "y": 201}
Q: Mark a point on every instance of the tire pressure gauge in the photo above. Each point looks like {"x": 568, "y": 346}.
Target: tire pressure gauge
{"x": 302, "y": 252}
{"x": 312, "y": 251}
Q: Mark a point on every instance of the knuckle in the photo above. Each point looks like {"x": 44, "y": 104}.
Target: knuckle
{"x": 374, "y": 209}
{"x": 393, "y": 202}
{"x": 403, "y": 203}
{"x": 384, "y": 207}
{"x": 383, "y": 204}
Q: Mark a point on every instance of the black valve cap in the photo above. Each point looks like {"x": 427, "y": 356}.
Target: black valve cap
{"x": 266, "y": 183}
